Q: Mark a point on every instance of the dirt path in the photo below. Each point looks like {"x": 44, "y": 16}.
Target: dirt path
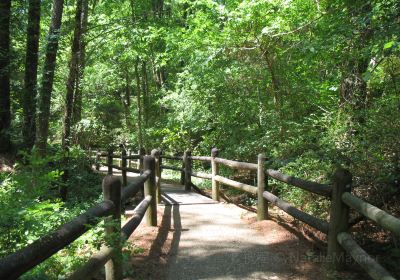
{"x": 209, "y": 240}
{"x": 215, "y": 244}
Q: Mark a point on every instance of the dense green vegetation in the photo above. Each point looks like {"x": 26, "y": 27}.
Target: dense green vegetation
{"x": 313, "y": 84}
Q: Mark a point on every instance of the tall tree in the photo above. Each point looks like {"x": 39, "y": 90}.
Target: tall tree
{"x": 5, "y": 114}
{"x": 139, "y": 104}
{"x": 145, "y": 88}
{"x": 42, "y": 128}
{"x": 31, "y": 65}
{"x": 353, "y": 87}
{"x": 77, "y": 103}
{"x": 73, "y": 74}
{"x": 126, "y": 99}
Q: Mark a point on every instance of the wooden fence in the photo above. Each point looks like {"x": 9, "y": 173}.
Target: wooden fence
{"x": 150, "y": 168}
{"x": 110, "y": 255}
{"x": 339, "y": 193}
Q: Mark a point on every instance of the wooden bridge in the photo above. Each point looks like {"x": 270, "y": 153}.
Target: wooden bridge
{"x": 215, "y": 243}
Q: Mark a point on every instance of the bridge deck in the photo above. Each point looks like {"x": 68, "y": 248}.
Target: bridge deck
{"x": 214, "y": 243}
{"x": 173, "y": 194}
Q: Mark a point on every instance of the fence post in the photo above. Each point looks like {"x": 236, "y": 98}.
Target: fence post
{"x": 129, "y": 160}
{"x": 183, "y": 170}
{"x": 110, "y": 162}
{"x": 112, "y": 191}
{"x": 141, "y": 153}
{"x": 339, "y": 218}
{"x": 123, "y": 166}
{"x": 97, "y": 161}
{"x": 262, "y": 203}
{"x": 188, "y": 170}
{"x": 150, "y": 189}
{"x": 214, "y": 171}
{"x": 156, "y": 154}
{"x": 161, "y": 153}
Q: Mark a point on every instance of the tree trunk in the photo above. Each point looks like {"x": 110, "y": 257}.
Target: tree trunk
{"x": 73, "y": 75}
{"x": 126, "y": 100}
{"x": 42, "y": 128}
{"x": 276, "y": 89}
{"x": 31, "y": 66}
{"x": 5, "y": 114}
{"x": 77, "y": 107}
{"x": 145, "y": 88}
{"x": 139, "y": 105}
{"x": 353, "y": 88}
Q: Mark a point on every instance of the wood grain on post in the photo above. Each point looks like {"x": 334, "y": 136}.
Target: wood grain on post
{"x": 262, "y": 204}
{"x": 123, "y": 167}
{"x": 188, "y": 170}
{"x": 339, "y": 218}
{"x": 141, "y": 153}
{"x": 150, "y": 189}
{"x": 161, "y": 160}
{"x": 156, "y": 154}
{"x": 214, "y": 173}
{"x": 110, "y": 162}
{"x": 112, "y": 191}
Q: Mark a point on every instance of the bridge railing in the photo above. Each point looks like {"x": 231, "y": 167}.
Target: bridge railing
{"x": 16, "y": 264}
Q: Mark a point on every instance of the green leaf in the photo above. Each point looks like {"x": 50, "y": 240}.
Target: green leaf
{"x": 388, "y": 45}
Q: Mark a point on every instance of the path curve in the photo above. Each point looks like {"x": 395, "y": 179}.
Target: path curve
{"x": 211, "y": 241}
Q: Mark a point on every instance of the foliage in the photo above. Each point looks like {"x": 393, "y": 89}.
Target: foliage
{"x": 31, "y": 207}
{"x": 312, "y": 84}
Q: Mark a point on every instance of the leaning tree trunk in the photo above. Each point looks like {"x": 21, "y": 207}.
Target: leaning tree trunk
{"x": 31, "y": 66}
{"x": 42, "y": 128}
{"x": 5, "y": 114}
{"x": 73, "y": 75}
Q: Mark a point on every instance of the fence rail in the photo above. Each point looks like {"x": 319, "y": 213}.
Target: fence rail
{"x": 16, "y": 264}
{"x": 320, "y": 189}
{"x": 236, "y": 164}
{"x": 373, "y": 213}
